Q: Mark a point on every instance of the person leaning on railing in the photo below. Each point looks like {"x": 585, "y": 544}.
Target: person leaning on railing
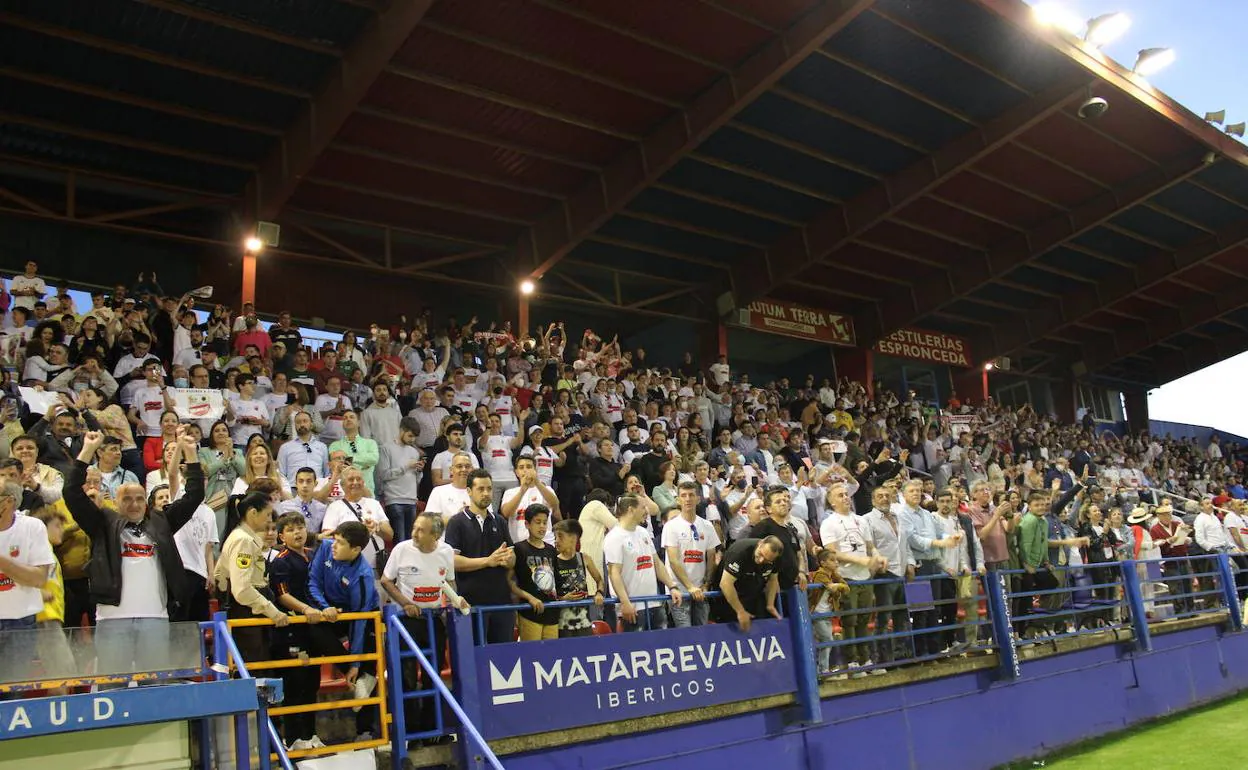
{"x": 748, "y": 582}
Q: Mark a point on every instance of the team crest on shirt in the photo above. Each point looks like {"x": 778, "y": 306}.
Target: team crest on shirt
{"x": 14, "y": 552}
{"x": 441, "y": 571}
{"x": 243, "y": 561}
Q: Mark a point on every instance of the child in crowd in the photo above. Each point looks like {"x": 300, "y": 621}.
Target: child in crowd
{"x": 826, "y": 599}
{"x": 341, "y": 580}
{"x": 288, "y": 578}
{"x": 532, "y": 578}
{"x": 571, "y": 571}
{"x": 54, "y": 652}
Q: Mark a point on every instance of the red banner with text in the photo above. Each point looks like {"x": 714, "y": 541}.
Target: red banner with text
{"x": 933, "y": 347}
{"x": 799, "y": 321}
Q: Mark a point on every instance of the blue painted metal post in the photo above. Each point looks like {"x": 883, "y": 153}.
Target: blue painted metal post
{"x": 262, "y": 735}
{"x": 464, "y": 680}
{"x": 1002, "y": 626}
{"x": 221, "y": 659}
{"x": 810, "y": 708}
{"x": 1226, "y": 574}
{"x": 1135, "y": 601}
{"x": 395, "y": 692}
{"x": 203, "y": 727}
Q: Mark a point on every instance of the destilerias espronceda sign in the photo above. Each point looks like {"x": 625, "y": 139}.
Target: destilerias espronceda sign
{"x": 799, "y": 321}
{"x": 933, "y": 347}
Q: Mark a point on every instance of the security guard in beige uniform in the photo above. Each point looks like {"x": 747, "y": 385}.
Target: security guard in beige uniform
{"x": 242, "y": 573}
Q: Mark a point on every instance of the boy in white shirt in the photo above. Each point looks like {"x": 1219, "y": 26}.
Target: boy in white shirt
{"x": 633, "y": 568}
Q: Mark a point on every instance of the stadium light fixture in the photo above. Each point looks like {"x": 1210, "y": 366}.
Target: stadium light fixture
{"x": 253, "y": 245}
{"x": 1107, "y": 28}
{"x": 1150, "y": 61}
{"x": 988, "y": 367}
{"x": 527, "y": 287}
{"x": 1058, "y": 17}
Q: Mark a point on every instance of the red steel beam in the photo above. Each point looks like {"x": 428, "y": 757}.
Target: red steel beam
{"x": 909, "y": 304}
{"x": 840, "y": 224}
{"x": 1084, "y": 300}
{"x": 1193, "y": 358}
{"x": 567, "y": 224}
{"x": 321, "y": 118}
{"x": 1167, "y": 322}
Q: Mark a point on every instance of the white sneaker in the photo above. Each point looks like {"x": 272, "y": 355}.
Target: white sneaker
{"x": 363, "y": 688}
{"x": 878, "y": 671}
{"x": 316, "y": 742}
{"x": 301, "y": 745}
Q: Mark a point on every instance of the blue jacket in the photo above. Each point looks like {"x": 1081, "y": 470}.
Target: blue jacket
{"x": 349, "y": 586}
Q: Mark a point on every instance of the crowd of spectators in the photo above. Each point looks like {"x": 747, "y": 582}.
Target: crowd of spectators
{"x": 533, "y": 466}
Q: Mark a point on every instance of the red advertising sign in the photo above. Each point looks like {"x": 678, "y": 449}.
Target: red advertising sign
{"x": 799, "y": 321}
{"x": 934, "y": 347}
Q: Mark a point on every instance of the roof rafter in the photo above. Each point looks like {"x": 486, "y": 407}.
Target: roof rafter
{"x": 841, "y": 224}
{"x": 320, "y": 119}
{"x": 566, "y": 225}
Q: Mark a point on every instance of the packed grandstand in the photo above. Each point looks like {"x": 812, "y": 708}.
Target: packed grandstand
{"x": 163, "y": 457}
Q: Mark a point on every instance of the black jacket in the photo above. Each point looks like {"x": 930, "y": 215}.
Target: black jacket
{"x": 104, "y": 528}
{"x": 52, "y": 451}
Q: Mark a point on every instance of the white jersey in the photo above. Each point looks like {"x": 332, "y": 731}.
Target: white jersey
{"x": 519, "y": 531}
{"x": 692, "y": 541}
{"x": 419, "y": 576}
{"x": 634, "y": 552}
{"x": 26, "y": 542}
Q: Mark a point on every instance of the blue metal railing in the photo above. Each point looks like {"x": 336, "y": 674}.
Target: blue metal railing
{"x": 400, "y": 644}
{"x": 929, "y": 629}
{"x": 479, "y": 613}
{"x": 267, "y": 739}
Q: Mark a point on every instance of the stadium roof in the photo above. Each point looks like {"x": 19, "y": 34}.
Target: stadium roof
{"x": 908, "y": 163}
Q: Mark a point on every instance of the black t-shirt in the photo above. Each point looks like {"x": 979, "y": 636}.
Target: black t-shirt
{"x": 788, "y": 564}
{"x": 535, "y": 573}
{"x": 474, "y": 540}
{"x": 751, "y": 576}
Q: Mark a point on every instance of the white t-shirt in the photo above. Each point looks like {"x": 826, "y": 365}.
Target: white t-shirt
{"x": 468, "y": 398}
{"x": 333, "y": 425}
{"x": 335, "y": 493}
{"x": 340, "y": 512}
{"x": 26, "y": 542}
{"x": 143, "y": 592}
{"x": 21, "y": 282}
{"x": 240, "y": 486}
{"x": 151, "y": 405}
{"x": 447, "y": 500}
{"x": 519, "y": 532}
{"x": 614, "y": 405}
{"x": 240, "y": 431}
{"x": 442, "y": 461}
{"x": 634, "y": 552}
{"x": 504, "y": 407}
{"x": 851, "y": 535}
{"x": 692, "y": 541}
{"x": 497, "y": 454}
{"x": 194, "y": 535}
{"x": 419, "y": 575}
{"x": 423, "y": 379}
{"x": 544, "y": 458}
{"x": 1234, "y": 522}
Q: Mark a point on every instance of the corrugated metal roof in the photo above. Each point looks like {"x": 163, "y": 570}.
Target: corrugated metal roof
{"x": 176, "y": 35}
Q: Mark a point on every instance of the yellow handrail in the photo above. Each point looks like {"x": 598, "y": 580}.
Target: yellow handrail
{"x": 379, "y": 699}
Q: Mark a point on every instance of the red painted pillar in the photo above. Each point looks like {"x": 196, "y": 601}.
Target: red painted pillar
{"x": 858, "y": 364}
{"x": 249, "y": 277}
{"x": 1065, "y": 400}
{"x": 1137, "y": 410}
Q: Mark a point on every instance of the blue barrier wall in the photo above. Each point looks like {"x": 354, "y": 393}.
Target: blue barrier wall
{"x": 965, "y": 721}
{"x": 1201, "y": 433}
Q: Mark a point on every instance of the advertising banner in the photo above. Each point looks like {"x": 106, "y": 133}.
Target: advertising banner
{"x": 933, "y": 347}
{"x": 534, "y": 687}
{"x": 793, "y": 320}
